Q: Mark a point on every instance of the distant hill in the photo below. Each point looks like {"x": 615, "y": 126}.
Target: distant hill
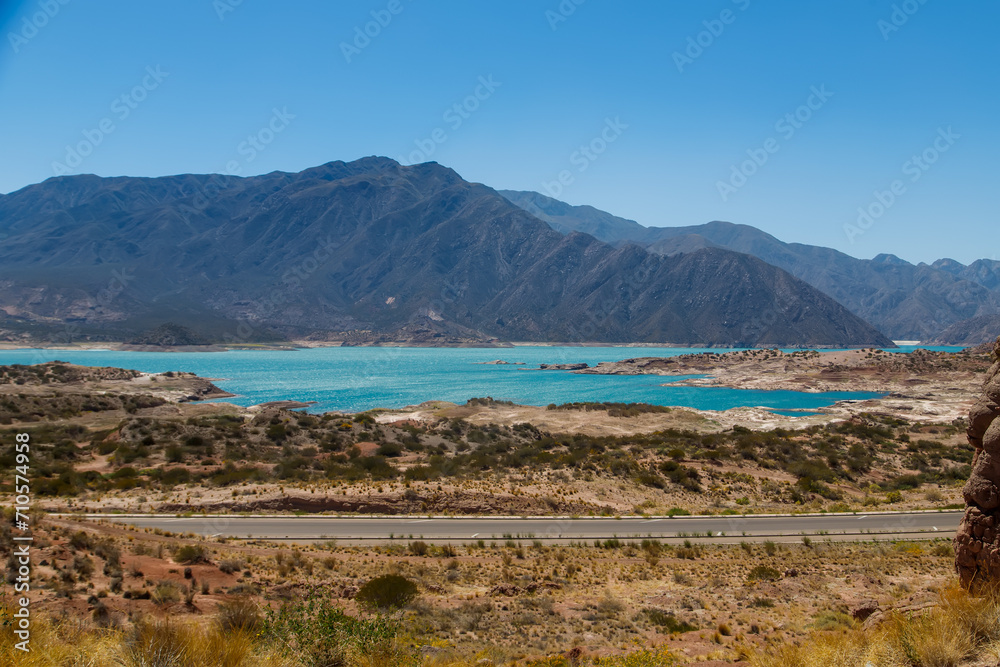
{"x": 903, "y": 300}
{"x": 986, "y": 272}
{"x": 973, "y": 331}
{"x": 168, "y": 334}
{"x": 372, "y": 251}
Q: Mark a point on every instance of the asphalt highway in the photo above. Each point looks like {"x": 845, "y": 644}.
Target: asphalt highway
{"x": 719, "y": 528}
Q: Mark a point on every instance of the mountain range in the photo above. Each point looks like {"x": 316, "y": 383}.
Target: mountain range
{"x": 945, "y": 302}
{"x": 371, "y": 251}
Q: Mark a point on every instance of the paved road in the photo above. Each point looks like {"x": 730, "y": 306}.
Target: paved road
{"x": 728, "y": 528}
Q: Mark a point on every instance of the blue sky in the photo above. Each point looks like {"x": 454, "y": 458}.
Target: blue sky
{"x": 665, "y": 98}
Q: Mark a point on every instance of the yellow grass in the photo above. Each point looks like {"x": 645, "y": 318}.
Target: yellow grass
{"x": 69, "y": 643}
{"x": 148, "y": 644}
{"x": 960, "y": 629}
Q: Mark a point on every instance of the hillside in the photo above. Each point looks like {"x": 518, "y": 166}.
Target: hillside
{"x": 972, "y": 331}
{"x": 371, "y": 251}
{"x": 905, "y": 301}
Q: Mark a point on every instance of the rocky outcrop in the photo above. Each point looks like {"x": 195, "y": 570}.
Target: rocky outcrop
{"x": 977, "y": 543}
{"x": 861, "y": 611}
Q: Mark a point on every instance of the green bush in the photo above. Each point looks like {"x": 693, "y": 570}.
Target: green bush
{"x": 323, "y": 635}
{"x": 667, "y": 621}
{"x": 80, "y": 540}
{"x": 650, "y": 479}
{"x": 390, "y": 591}
{"x": 167, "y": 592}
{"x": 390, "y": 449}
{"x": 763, "y": 573}
{"x": 191, "y": 553}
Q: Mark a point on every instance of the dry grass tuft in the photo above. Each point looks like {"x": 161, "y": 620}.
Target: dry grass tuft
{"x": 962, "y": 627}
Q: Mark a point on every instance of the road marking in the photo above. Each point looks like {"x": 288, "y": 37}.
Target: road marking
{"x": 475, "y": 534}
{"x": 421, "y": 521}
{"x": 935, "y": 528}
{"x": 652, "y": 520}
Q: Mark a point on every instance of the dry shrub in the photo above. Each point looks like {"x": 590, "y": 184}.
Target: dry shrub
{"x": 150, "y": 644}
{"x": 231, "y": 565}
{"x": 167, "y": 592}
{"x": 77, "y": 643}
{"x": 240, "y": 614}
{"x": 962, "y": 627}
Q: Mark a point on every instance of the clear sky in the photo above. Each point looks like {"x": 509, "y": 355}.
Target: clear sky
{"x": 667, "y": 98}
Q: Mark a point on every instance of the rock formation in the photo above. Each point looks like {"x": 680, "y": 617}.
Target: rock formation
{"x": 977, "y": 543}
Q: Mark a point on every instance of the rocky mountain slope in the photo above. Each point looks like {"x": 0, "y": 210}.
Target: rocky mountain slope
{"x": 903, "y": 300}
{"x": 972, "y": 331}
{"x": 986, "y": 272}
{"x": 374, "y": 250}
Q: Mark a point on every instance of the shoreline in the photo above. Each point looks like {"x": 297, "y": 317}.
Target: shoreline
{"x": 295, "y": 345}
{"x": 929, "y": 391}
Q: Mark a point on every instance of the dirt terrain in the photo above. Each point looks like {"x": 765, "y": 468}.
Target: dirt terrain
{"x": 491, "y": 604}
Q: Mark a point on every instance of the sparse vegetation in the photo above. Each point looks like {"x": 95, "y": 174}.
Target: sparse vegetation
{"x": 321, "y": 604}
{"x": 124, "y": 452}
{"x": 389, "y": 591}
{"x": 499, "y": 598}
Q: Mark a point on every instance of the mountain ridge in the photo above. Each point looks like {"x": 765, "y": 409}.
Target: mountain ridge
{"x": 373, "y": 250}
{"x": 905, "y": 301}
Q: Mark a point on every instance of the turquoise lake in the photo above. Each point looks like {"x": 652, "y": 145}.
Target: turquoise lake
{"x": 353, "y": 379}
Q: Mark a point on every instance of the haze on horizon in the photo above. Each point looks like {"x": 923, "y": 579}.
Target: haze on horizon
{"x": 643, "y": 110}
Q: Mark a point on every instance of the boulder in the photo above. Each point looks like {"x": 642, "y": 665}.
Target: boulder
{"x": 864, "y": 609}
{"x": 977, "y": 542}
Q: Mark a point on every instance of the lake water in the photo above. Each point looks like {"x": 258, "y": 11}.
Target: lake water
{"x": 360, "y": 378}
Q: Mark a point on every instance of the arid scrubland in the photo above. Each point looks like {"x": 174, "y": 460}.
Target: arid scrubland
{"x": 112, "y": 593}
{"x": 108, "y": 594}
{"x": 129, "y": 444}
